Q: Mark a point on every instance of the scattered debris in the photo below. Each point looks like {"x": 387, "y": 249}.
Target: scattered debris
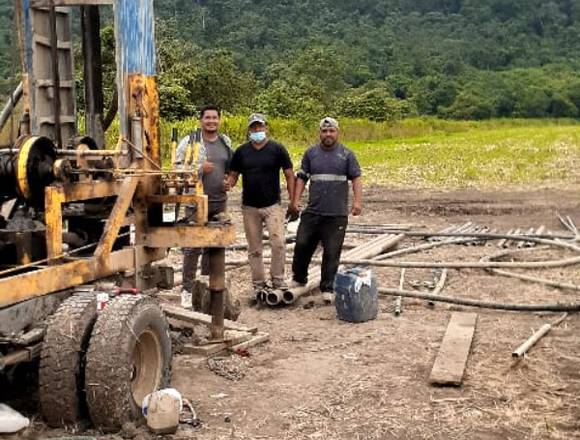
{"x": 227, "y": 367}
{"x": 188, "y": 415}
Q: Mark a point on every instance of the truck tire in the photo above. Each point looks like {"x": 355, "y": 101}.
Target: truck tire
{"x": 129, "y": 356}
{"x": 61, "y": 373}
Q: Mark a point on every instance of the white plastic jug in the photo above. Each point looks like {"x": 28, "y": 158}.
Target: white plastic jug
{"x": 186, "y": 299}
{"x": 11, "y": 421}
{"x": 170, "y": 391}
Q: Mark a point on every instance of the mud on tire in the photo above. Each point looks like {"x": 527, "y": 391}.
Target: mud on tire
{"x": 61, "y": 373}
{"x": 129, "y": 356}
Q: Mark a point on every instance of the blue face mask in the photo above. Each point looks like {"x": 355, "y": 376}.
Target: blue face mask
{"x": 258, "y": 136}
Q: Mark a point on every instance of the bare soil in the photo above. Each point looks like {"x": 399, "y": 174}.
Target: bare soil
{"x": 321, "y": 378}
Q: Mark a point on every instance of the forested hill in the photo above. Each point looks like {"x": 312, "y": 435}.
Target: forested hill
{"x": 372, "y": 58}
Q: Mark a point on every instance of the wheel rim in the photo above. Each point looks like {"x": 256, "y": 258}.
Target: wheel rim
{"x": 146, "y": 366}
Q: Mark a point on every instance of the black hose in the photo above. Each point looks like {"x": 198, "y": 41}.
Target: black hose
{"x": 554, "y": 307}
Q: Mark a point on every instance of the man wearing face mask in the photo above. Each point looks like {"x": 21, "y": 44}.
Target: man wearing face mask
{"x": 259, "y": 162}
{"x": 328, "y": 166}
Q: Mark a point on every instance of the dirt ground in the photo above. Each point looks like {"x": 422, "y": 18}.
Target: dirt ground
{"x": 321, "y": 378}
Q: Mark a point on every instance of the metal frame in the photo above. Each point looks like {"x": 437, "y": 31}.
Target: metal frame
{"x": 140, "y": 194}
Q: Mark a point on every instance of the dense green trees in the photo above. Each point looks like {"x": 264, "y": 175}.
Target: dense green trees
{"x": 380, "y": 59}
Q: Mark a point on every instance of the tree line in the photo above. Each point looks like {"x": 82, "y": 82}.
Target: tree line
{"x": 376, "y": 59}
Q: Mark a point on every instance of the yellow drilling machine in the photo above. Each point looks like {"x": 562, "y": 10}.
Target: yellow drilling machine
{"x": 82, "y": 224}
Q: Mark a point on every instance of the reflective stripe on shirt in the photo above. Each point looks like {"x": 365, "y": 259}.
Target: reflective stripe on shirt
{"x": 328, "y": 178}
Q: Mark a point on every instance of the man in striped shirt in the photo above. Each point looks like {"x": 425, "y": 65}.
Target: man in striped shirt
{"x": 329, "y": 166}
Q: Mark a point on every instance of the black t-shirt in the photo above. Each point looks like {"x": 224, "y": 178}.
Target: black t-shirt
{"x": 260, "y": 170}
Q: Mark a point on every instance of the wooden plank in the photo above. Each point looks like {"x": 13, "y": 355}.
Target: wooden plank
{"x": 201, "y": 318}
{"x": 257, "y": 339}
{"x": 232, "y": 338}
{"x": 451, "y": 361}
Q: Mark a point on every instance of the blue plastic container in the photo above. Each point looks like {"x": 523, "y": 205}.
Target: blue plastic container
{"x": 356, "y": 295}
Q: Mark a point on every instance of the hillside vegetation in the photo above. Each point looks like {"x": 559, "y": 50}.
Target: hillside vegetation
{"x": 376, "y": 59}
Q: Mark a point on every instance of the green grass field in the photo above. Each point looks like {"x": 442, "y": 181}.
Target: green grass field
{"x": 428, "y": 152}
{"x": 479, "y": 157}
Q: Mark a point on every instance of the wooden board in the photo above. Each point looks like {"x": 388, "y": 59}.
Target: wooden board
{"x": 257, "y": 339}
{"x": 231, "y": 338}
{"x": 451, "y": 360}
{"x": 190, "y": 316}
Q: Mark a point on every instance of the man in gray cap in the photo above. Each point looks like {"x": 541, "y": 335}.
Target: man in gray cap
{"x": 259, "y": 162}
{"x": 328, "y": 166}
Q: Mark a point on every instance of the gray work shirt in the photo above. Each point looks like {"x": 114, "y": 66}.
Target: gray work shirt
{"x": 218, "y": 152}
{"x": 328, "y": 171}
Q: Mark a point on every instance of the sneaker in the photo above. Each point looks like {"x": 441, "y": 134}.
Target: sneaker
{"x": 279, "y": 285}
{"x": 259, "y": 287}
{"x": 293, "y": 284}
{"x": 328, "y": 297}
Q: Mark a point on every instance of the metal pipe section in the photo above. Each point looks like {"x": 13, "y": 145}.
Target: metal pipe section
{"x": 55, "y": 72}
{"x": 217, "y": 285}
{"x": 273, "y": 298}
{"x": 367, "y": 250}
{"x": 135, "y": 50}
{"x": 9, "y": 107}
{"x": 93, "y": 73}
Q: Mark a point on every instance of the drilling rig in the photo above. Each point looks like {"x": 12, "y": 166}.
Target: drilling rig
{"x": 75, "y": 211}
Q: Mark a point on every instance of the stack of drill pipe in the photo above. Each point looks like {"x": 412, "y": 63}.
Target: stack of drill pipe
{"x": 275, "y": 297}
{"x": 448, "y": 229}
{"x": 364, "y": 251}
{"x": 531, "y": 231}
{"x": 506, "y": 242}
{"x": 502, "y": 243}
{"x": 452, "y": 229}
{"x": 476, "y": 229}
{"x": 367, "y": 250}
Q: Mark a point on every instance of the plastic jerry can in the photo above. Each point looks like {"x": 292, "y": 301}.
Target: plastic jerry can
{"x": 356, "y": 295}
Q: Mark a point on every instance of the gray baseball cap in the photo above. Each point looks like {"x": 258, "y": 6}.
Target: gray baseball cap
{"x": 327, "y": 121}
{"x": 256, "y": 117}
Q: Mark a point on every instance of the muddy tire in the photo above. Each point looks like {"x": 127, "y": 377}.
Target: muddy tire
{"x": 129, "y": 357}
{"x": 61, "y": 373}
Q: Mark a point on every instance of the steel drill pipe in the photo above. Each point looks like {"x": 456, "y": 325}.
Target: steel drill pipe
{"x": 523, "y": 349}
{"x": 9, "y": 107}
{"x": 376, "y": 247}
{"x": 553, "y": 307}
{"x": 522, "y": 277}
{"x": 291, "y": 295}
{"x": 445, "y": 265}
{"x": 217, "y": 288}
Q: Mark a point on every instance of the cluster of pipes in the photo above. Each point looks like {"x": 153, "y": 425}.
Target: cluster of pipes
{"x": 378, "y": 252}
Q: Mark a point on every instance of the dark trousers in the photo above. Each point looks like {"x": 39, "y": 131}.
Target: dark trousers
{"x": 191, "y": 255}
{"x": 314, "y": 229}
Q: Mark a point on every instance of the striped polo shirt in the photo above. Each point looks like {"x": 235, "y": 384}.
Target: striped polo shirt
{"x": 328, "y": 170}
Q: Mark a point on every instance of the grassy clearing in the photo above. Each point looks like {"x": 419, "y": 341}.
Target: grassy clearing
{"x": 482, "y": 156}
{"x": 430, "y": 152}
